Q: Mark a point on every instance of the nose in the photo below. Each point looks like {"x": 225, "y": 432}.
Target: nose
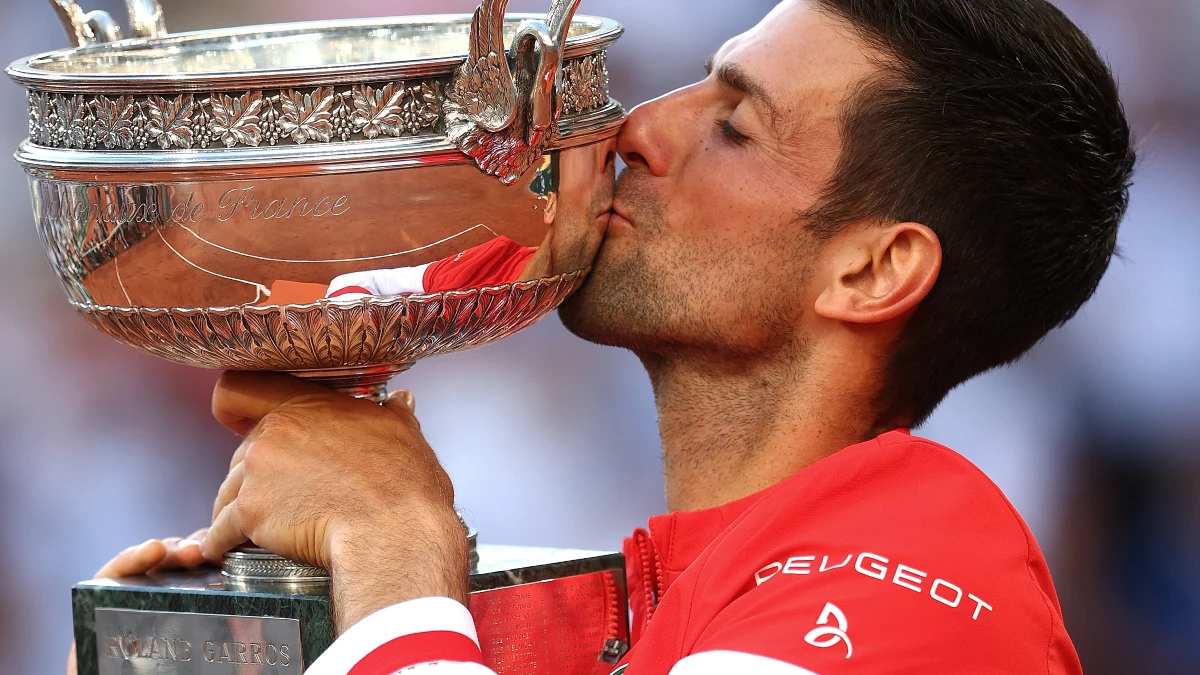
{"x": 653, "y": 138}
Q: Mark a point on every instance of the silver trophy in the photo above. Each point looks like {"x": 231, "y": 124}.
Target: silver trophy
{"x": 332, "y": 200}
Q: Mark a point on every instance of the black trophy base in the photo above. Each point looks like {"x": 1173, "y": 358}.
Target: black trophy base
{"x": 550, "y": 610}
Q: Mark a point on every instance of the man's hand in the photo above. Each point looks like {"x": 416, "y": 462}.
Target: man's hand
{"x": 341, "y": 483}
{"x": 155, "y": 555}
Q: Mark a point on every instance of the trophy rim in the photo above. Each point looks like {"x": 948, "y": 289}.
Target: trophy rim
{"x": 24, "y": 71}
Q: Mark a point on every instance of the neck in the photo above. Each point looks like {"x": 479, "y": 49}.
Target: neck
{"x": 732, "y": 429}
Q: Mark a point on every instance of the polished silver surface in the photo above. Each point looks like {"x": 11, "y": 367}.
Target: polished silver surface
{"x": 83, "y": 28}
{"x": 146, "y": 18}
{"x": 323, "y": 53}
{"x": 507, "y": 121}
{"x": 250, "y": 563}
{"x": 314, "y": 115}
{"x": 205, "y": 272}
{"x": 224, "y": 228}
{"x": 134, "y": 642}
{"x": 331, "y": 200}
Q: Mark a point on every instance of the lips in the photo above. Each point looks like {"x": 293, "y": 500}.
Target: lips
{"x": 618, "y": 217}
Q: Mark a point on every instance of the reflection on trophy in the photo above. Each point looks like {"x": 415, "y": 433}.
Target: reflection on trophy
{"x": 334, "y": 201}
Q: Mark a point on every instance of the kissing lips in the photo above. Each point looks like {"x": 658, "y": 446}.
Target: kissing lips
{"x": 617, "y": 220}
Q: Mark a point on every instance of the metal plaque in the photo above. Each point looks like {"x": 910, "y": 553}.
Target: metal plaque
{"x": 132, "y": 642}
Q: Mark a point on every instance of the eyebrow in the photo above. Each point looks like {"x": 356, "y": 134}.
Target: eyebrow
{"x": 734, "y": 77}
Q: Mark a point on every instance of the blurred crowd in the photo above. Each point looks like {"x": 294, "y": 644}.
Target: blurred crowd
{"x": 1095, "y": 436}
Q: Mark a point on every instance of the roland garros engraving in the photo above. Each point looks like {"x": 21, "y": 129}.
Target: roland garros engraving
{"x": 254, "y": 118}
{"x": 188, "y": 643}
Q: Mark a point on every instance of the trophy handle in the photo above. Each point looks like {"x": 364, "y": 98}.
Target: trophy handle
{"x": 146, "y": 18}
{"x": 85, "y": 28}
{"x": 549, "y": 37}
{"x": 505, "y": 117}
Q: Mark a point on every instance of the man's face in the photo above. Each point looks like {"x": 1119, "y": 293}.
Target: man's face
{"x": 705, "y": 248}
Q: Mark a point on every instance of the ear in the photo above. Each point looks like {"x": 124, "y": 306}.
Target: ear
{"x": 879, "y": 273}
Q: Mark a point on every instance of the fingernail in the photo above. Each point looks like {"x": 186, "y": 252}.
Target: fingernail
{"x": 142, "y": 546}
{"x": 188, "y": 543}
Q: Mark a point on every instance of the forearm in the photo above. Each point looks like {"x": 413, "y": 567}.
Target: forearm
{"x": 375, "y": 566}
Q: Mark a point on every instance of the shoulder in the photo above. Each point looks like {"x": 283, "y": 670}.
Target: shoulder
{"x": 896, "y": 493}
{"x": 896, "y": 550}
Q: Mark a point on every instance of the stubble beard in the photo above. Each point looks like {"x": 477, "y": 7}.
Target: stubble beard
{"x": 647, "y": 294}
{"x": 622, "y": 303}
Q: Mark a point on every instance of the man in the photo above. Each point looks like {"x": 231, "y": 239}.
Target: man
{"x": 866, "y": 203}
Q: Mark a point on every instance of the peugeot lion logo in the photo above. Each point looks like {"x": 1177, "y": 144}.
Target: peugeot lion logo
{"x": 826, "y": 635}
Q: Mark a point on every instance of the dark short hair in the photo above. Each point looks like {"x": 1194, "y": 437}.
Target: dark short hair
{"x": 996, "y": 124}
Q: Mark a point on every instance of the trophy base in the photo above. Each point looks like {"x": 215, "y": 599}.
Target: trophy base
{"x": 536, "y": 610}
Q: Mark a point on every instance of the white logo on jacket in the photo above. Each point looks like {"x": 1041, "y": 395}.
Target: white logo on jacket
{"x": 875, "y": 566}
{"x": 825, "y": 635}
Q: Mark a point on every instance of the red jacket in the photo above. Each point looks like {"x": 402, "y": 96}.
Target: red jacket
{"x": 892, "y": 556}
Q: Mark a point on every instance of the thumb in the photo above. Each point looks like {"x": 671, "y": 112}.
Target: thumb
{"x": 404, "y": 405}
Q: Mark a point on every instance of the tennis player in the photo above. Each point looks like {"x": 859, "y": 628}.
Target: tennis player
{"x": 865, "y": 204}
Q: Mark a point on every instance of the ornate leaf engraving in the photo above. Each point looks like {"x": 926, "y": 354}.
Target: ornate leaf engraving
{"x": 235, "y": 120}
{"x": 42, "y": 107}
{"x": 170, "y": 123}
{"x": 307, "y": 116}
{"x": 585, "y": 84}
{"x": 328, "y": 334}
{"x": 72, "y": 119}
{"x": 114, "y": 121}
{"x": 323, "y": 115}
{"x": 377, "y": 111}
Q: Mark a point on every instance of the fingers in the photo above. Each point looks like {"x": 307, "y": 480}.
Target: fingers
{"x": 404, "y": 405}
{"x": 134, "y": 560}
{"x": 240, "y": 399}
{"x": 402, "y": 399}
{"x": 229, "y": 489}
{"x": 72, "y": 669}
{"x": 227, "y": 531}
{"x": 155, "y": 555}
{"x": 182, "y": 554}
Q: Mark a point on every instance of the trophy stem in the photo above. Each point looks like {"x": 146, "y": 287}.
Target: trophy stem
{"x": 369, "y": 383}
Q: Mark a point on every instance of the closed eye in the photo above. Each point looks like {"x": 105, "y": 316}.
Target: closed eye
{"x": 731, "y": 134}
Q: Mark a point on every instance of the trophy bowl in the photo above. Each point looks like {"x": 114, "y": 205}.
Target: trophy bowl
{"x": 333, "y": 200}
{"x": 199, "y": 194}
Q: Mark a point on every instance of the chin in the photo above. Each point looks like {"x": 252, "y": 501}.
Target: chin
{"x": 610, "y": 302}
